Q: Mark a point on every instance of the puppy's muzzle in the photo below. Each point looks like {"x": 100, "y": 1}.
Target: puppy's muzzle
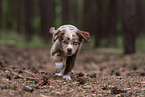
{"x": 69, "y": 50}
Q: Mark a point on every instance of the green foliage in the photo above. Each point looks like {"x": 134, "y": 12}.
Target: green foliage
{"x": 36, "y": 42}
{"x": 7, "y": 34}
{"x": 36, "y": 23}
{"x": 141, "y": 43}
{"x": 9, "y": 39}
{"x": 119, "y": 27}
{"x": 58, "y": 13}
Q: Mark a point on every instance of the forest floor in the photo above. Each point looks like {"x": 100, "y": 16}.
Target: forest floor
{"x": 29, "y": 72}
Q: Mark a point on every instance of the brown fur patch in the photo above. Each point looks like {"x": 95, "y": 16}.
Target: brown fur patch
{"x": 57, "y": 33}
{"x": 58, "y": 53}
{"x": 68, "y": 38}
{"x": 83, "y": 35}
{"x": 61, "y": 37}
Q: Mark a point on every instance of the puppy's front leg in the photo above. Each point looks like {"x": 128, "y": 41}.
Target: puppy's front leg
{"x": 57, "y": 58}
{"x": 58, "y": 68}
{"x": 70, "y": 62}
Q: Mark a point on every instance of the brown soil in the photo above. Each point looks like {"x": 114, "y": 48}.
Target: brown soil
{"x": 30, "y": 73}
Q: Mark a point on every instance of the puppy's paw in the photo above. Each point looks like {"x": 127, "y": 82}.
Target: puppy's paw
{"x": 66, "y": 77}
{"x": 72, "y": 72}
{"x": 58, "y": 74}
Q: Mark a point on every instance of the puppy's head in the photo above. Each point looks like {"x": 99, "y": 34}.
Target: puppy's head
{"x": 71, "y": 40}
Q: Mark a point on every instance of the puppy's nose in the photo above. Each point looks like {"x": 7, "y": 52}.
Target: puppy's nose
{"x": 69, "y": 50}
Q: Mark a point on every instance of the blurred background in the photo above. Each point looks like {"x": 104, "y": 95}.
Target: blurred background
{"x": 115, "y": 24}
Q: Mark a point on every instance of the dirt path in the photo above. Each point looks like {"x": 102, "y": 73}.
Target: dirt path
{"x": 30, "y": 73}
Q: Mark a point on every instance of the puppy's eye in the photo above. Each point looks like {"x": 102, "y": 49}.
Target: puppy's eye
{"x": 75, "y": 43}
{"x": 65, "y": 42}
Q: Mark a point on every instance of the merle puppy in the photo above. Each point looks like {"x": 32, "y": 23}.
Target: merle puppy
{"x": 67, "y": 41}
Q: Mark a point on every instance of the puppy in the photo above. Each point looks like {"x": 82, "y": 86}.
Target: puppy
{"x": 67, "y": 41}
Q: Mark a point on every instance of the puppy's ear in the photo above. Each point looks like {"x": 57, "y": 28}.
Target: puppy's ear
{"x": 83, "y": 35}
{"x": 52, "y": 30}
{"x": 58, "y": 34}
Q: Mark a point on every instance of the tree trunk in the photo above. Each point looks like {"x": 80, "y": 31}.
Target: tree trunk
{"x": 91, "y": 16}
{"x": 17, "y": 16}
{"x": 99, "y": 29}
{"x": 143, "y": 14}
{"x": 47, "y": 12}
{"x": 130, "y": 26}
{"x": 9, "y": 14}
{"x": 74, "y": 12}
{"x": 139, "y": 16}
{"x": 65, "y": 11}
{"x": 0, "y": 14}
{"x": 28, "y": 10}
{"x": 111, "y": 33}
{"x": 86, "y": 15}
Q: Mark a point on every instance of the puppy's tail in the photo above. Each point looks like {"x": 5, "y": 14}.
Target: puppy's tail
{"x": 52, "y": 30}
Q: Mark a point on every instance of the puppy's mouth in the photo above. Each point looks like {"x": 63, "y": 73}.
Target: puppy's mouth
{"x": 69, "y": 53}
{"x": 66, "y": 53}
